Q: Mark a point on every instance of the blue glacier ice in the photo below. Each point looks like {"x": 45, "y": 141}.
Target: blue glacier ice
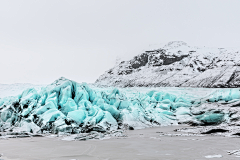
{"x": 71, "y": 107}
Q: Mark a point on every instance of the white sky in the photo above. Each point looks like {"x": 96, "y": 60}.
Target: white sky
{"x": 42, "y": 40}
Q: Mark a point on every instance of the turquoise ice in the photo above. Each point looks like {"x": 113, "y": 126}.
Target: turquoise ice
{"x": 68, "y": 106}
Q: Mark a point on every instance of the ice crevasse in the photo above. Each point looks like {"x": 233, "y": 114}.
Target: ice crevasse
{"x": 71, "y": 107}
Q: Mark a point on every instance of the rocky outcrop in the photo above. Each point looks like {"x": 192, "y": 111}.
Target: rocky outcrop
{"x": 177, "y": 65}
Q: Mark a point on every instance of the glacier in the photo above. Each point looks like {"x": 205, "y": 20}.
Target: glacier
{"x": 66, "y": 106}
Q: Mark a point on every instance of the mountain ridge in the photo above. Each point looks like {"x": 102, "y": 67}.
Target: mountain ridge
{"x": 177, "y": 65}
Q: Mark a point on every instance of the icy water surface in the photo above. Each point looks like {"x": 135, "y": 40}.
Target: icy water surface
{"x": 139, "y": 144}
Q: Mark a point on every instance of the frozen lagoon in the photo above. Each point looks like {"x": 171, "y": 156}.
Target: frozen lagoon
{"x": 142, "y": 144}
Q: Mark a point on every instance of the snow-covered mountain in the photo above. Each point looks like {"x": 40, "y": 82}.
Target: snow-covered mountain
{"x": 177, "y": 65}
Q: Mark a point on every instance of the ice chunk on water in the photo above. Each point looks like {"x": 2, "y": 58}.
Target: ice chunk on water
{"x": 211, "y": 118}
{"x": 214, "y": 156}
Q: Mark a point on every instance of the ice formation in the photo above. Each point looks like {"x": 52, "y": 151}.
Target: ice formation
{"x": 214, "y": 156}
{"x": 71, "y": 107}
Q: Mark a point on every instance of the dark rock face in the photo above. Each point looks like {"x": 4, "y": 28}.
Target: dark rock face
{"x": 155, "y": 58}
{"x": 177, "y": 65}
{"x": 139, "y": 61}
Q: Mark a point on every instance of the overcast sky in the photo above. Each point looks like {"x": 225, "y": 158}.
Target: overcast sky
{"x": 41, "y": 41}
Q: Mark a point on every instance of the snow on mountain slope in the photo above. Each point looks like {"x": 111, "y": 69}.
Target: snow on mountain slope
{"x": 177, "y": 65}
